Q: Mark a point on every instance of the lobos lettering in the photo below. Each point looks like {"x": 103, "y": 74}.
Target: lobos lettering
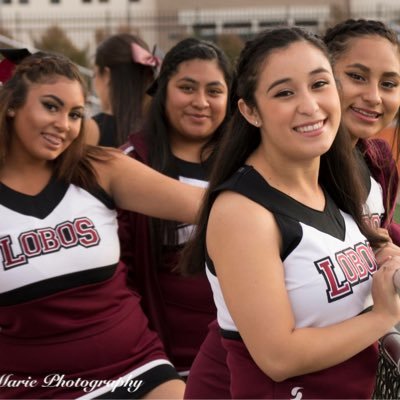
{"x": 80, "y": 232}
{"x": 373, "y": 220}
{"x": 357, "y": 265}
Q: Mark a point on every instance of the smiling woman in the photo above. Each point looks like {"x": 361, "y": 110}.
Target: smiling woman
{"x": 69, "y": 325}
{"x": 48, "y": 122}
{"x": 187, "y": 116}
{"x": 286, "y": 249}
{"x": 366, "y": 62}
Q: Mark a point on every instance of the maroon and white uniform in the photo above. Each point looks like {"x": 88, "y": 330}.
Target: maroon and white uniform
{"x": 328, "y": 275}
{"x": 179, "y": 308}
{"x": 67, "y": 318}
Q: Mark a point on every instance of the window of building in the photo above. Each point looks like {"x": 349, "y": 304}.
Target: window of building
{"x": 103, "y": 1}
{"x": 86, "y": 1}
{"x": 306, "y": 22}
{"x": 6, "y": 2}
{"x": 205, "y": 30}
{"x": 272, "y": 23}
{"x": 134, "y": 1}
{"x": 55, "y": 1}
{"x": 23, "y": 1}
{"x": 237, "y": 25}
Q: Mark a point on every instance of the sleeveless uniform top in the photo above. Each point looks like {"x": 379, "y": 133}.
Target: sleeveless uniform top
{"x": 192, "y": 174}
{"x": 65, "y": 309}
{"x": 328, "y": 267}
{"x": 374, "y": 209}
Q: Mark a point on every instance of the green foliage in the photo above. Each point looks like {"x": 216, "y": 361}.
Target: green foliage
{"x": 397, "y": 214}
{"x": 55, "y": 40}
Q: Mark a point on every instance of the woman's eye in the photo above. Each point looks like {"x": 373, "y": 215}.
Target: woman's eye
{"x": 319, "y": 84}
{"x": 389, "y": 84}
{"x": 50, "y": 106}
{"x": 284, "y": 93}
{"x": 187, "y": 89}
{"x": 76, "y": 115}
{"x": 215, "y": 92}
{"x": 355, "y": 77}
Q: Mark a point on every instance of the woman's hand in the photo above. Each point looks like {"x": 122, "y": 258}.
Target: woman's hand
{"x": 386, "y": 299}
{"x": 387, "y": 250}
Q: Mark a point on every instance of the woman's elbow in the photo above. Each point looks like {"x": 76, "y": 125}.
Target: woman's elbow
{"x": 277, "y": 369}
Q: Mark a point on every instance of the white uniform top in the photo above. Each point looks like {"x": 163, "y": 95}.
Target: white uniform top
{"x": 374, "y": 210}
{"x": 328, "y": 263}
{"x": 36, "y": 247}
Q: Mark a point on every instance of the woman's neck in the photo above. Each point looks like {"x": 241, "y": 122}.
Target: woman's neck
{"x": 26, "y": 178}
{"x": 295, "y": 179}
{"x": 187, "y": 151}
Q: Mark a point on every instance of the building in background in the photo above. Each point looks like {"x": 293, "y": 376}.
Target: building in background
{"x": 163, "y": 22}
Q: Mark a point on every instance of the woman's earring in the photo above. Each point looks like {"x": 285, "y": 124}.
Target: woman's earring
{"x": 256, "y": 122}
{"x": 10, "y": 112}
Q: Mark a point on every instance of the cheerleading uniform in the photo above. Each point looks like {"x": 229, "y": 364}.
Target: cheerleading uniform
{"x": 373, "y": 209}
{"x": 328, "y": 267}
{"x": 68, "y": 321}
{"x": 209, "y": 376}
{"x": 178, "y": 308}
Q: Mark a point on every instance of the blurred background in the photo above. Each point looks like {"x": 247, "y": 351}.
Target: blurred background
{"x": 75, "y": 27}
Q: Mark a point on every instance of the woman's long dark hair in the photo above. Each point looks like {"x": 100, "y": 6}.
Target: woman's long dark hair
{"x": 156, "y": 130}
{"x": 338, "y": 39}
{"x": 129, "y": 81}
{"x": 338, "y": 171}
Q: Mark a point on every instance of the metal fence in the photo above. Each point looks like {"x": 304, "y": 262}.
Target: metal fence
{"x": 228, "y": 28}
{"x": 165, "y": 30}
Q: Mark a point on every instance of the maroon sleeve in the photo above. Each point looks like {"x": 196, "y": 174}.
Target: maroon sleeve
{"x": 382, "y": 165}
{"x": 394, "y": 232}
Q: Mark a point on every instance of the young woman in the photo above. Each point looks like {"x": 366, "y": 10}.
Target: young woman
{"x": 124, "y": 69}
{"x": 288, "y": 254}
{"x": 366, "y": 64}
{"x": 187, "y": 114}
{"x": 70, "y": 326}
